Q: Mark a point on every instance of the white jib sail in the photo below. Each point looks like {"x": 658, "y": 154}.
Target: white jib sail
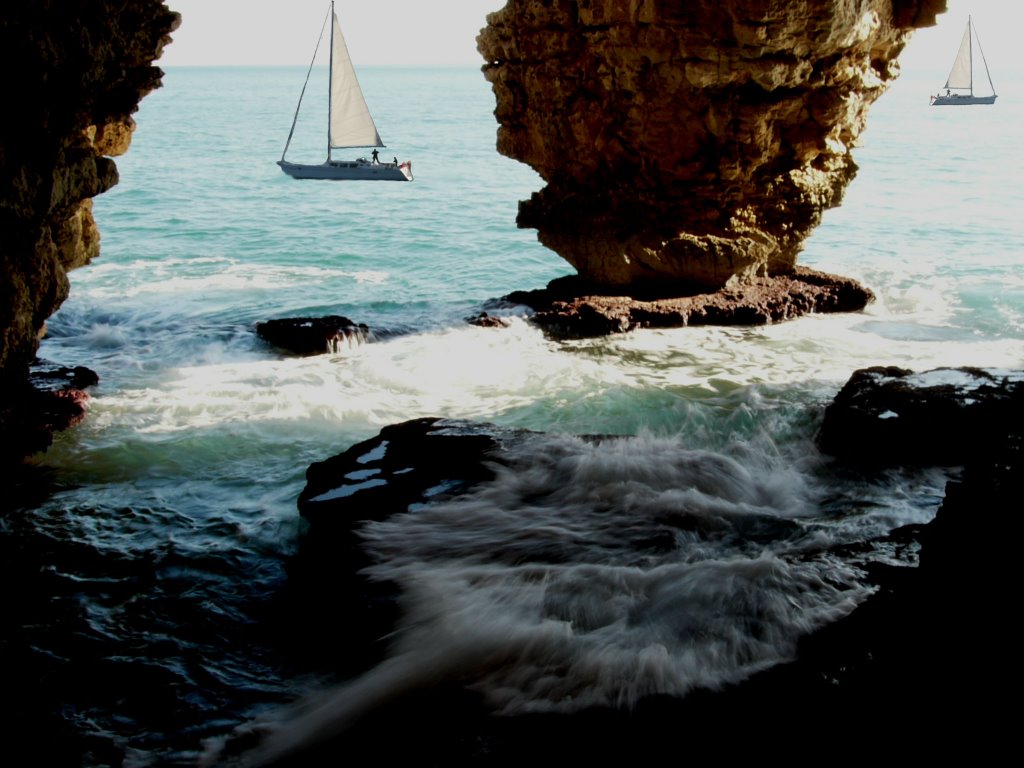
{"x": 351, "y": 122}
{"x": 960, "y": 75}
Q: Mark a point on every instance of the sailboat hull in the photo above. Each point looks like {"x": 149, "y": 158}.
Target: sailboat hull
{"x": 350, "y": 170}
{"x": 956, "y": 99}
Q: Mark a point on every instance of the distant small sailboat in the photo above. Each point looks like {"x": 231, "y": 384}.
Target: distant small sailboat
{"x": 961, "y": 77}
{"x": 349, "y": 124}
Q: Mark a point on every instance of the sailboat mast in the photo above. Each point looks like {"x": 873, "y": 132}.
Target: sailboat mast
{"x": 970, "y": 51}
{"x": 330, "y": 77}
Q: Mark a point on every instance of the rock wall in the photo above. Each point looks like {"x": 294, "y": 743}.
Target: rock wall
{"x": 688, "y": 142}
{"x": 75, "y": 72}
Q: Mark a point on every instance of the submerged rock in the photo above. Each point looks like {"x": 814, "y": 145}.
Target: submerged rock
{"x": 485, "y": 320}
{"x": 314, "y": 335}
{"x": 54, "y": 399}
{"x": 413, "y": 462}
{"x": 571, "y": 308}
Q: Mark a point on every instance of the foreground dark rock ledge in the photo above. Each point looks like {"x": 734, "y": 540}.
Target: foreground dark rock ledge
{"x": 405, "y": 464}
{"x": 569, "y": 307}
{"x": 935, "y": 647}
{"x": 930, "y": 657}
{"x": 886, "y": 416}
{"x": 413, "y": 462}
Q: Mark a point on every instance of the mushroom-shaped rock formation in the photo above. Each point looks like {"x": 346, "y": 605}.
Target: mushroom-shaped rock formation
{"x": 688, "y": 144}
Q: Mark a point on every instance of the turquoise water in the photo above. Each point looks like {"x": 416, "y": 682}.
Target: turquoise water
{"x": 166, "y": 542}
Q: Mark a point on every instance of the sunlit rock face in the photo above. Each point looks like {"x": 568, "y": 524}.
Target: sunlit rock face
{"x": 688, "y": 143}
{"x": 74, "y": 72}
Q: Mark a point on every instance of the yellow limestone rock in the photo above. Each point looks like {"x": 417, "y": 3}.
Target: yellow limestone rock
{"x": 688, "y": 143}
{"x": 76, "y": 72}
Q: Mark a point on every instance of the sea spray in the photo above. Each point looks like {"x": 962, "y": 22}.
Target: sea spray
{"x": 594, "y": 572}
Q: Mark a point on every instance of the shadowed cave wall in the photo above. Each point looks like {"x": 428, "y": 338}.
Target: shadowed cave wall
{"x": 75, "y": 72}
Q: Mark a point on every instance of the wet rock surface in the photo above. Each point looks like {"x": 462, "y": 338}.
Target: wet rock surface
{"x": 33, "y": 416}
{"x": 409, "y": 463}
{"x": 933, "y": 649}
{"x": 49, "y": 376}
{"x": 314, "y": 335}
{"x": 887, "y": 416}
{"x": 405, "y": 465}
{"x": 53, "y": 399}
{"x": 572, "y": 308}
{"x": 486, "y": 320}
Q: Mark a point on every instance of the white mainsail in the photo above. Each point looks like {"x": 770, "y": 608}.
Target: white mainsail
{"x": 351, "y": 124}
{"x": 960, "y": 75}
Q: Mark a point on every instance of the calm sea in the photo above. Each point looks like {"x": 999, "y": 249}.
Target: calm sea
{"x": 164, "y": 547}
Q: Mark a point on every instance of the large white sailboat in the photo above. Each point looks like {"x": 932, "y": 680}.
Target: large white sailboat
{"x": 961, "y": 77}
{"x": 350, "y": 125}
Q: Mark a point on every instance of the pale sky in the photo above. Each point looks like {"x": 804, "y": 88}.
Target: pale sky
{"x": 276, "y": 32}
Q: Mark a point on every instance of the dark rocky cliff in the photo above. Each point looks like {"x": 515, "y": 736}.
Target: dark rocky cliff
{"x": 75, "y": 72}
{"x": 689, "y": 142}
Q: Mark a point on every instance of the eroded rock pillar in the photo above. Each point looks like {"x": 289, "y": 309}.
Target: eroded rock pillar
{"x": 688, "y": 144}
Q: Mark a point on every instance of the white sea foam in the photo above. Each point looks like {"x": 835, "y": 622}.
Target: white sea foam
{"x": 960, "y": 379}
{"x": 106, "y": 336}
{"x": 190, "y": 280}
{"x": 596, "y": 574}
